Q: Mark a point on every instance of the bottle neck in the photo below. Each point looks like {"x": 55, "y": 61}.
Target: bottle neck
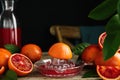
{"x": 8, "y": 5}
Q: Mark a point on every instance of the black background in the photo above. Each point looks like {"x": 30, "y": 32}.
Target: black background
{"x": 36, "y": 16}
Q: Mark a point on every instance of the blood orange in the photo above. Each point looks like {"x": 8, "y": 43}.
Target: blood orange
{"x": 108, "y": 72}
{"x": 113, "y": 61}
{"x": 89, "y": 53}
{"x": 20, "y": 63}
{"x": 60, "y": 51}
{"x": 101, "y": 39}
{"x": 32, "y": 51}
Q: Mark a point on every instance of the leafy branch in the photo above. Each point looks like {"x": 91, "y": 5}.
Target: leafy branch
{"x": 9, "y": 75}
{"x": 109, "y": 9}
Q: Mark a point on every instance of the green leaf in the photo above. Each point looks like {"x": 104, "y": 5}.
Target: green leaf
{"x": 90, "y": 73}
{"x": 104, "y": 10}
{"x": 12, "y": 48}
{"x": 111, "y": 45}
{"x": 118, "y": 8}
{"x": 5, "y": 78}
{"x": 10, "y": 75}
{"x": 78, "y": 49}
{"x": 113, "y": 24}
{"x": 112, "y": 41}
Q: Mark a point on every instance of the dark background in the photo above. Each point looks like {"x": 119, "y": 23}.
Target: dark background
{"x": 36, "y": 17}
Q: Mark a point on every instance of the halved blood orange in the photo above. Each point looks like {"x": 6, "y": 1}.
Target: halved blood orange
{"x": 108, "y": 72}
{"x": 101, "y": 39}
{"x": 21, "y": 64}
{"x": 2, "y": 70}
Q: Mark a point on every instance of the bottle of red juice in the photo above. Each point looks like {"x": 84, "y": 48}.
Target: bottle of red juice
{"x": 10, "y": 33}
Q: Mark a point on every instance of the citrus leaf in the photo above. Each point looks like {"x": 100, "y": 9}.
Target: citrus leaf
{"x": 104, "y": 10}
{"x": 78, "y": 49}
{"x": 5, "y": 78}
{"x": 118, "y": 8}
{"x": 111, "y": 44}
{"x": 90, "y": 73}
{"x": 12, "y": 48}
{"x": 10, "y": 75}
{"x": 113, "y": 24}
{"x": 112, "y": 41}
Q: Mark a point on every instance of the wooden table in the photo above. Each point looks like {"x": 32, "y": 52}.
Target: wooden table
{"x": 35, "y": 75}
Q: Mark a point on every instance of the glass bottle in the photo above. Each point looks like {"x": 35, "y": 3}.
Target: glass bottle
{"x": 10, "y": 33}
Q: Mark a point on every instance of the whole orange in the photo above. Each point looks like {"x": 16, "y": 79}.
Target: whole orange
{"x": 60, "y": 50}
{"x": 4, "y": 56}
{"x": 113, "y": 61}
{"x": 90, "y": 52}
{"x": 32, "y": 51}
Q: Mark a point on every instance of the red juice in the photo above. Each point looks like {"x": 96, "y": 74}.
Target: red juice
{"x": 10, "y": 36}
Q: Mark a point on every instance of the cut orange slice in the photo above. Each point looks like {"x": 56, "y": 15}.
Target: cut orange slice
{"x": 108, "y": 72}
{"x": 21, "y": 64}
{"x": 101, "y": 39}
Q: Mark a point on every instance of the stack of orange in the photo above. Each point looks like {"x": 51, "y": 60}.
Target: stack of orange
{"x": 107, "y": 69}
{"x": 21, "y": 63}
{"x": 14, "y": 62}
